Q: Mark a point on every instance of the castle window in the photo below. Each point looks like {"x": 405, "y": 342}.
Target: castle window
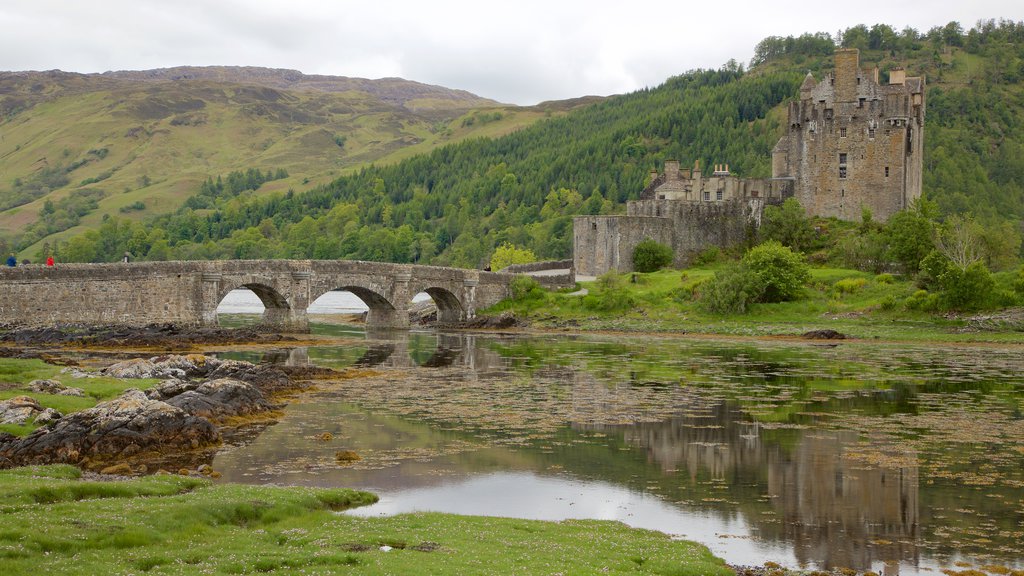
{"x": 718, "y": 195}
{"x": 707, "y": 195}
{"x": 842, "y": 157}
{"x": 828, "y": 113}
{"x": 842, "y": 132}
{"x": 886, "y": 171}
{"x": 842, "y": 164}
{"x": 842, "y": 171}
{"x": 871, "y": 133}
{"x": 593, "y": 225}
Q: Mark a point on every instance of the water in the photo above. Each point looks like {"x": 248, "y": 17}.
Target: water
{"x": 901, "y": 460}
{"x": 244, "y": 301}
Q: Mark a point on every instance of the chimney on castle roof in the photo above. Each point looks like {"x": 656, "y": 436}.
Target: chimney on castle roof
{"x": 671, "y": 169}
{"x": 897, "y": 76}
{"x": 847, "y": 66}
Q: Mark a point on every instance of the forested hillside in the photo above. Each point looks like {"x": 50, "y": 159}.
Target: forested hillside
{"x": 455, "y": 204}
{"x": 75, "y": 148}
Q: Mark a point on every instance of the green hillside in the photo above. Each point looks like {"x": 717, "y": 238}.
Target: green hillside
{"x": 134, "y": 144}
{"x": 456, "y": 203}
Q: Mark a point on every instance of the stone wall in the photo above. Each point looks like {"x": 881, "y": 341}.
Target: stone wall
{"x": 188, "y": 293}
{"x": 697, "y": 226}
{"x": 603, "y": 243}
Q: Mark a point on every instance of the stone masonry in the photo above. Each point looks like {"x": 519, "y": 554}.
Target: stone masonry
{"x": 852, "y": 144}
{"x": 188, "y": 292}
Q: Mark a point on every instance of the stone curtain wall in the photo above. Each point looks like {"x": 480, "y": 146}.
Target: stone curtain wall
{"x": 187, "y": 293}
{"x": 697, "y": 226}
{"x": 603, "y": 243}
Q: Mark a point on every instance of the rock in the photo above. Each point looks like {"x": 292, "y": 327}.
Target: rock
{"x": 20, "y": 410}
{"x": 221, "y": 398}
{"x": 47, "y": 416}
{"x": 503, "y": 320}
{"x": 54, "y": 387}
{"x": 117, "y": 470}
{"x": 826, "y": 334}
{"x": 268, "y": 379}
{"x": 134, "y": 368}
{"x": 129, "y": 425}
{"x": 171, "y": 366}
{"x": 346, "y": 456}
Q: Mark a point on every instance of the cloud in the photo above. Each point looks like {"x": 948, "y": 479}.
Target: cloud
{"x": 518, "y": 52}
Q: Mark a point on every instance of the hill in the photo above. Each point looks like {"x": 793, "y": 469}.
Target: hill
{"x": 454, "y": 204}
{"x": 137, "y": 143}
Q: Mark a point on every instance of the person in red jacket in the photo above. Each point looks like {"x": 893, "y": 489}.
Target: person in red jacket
{"x": 49, "y": 260}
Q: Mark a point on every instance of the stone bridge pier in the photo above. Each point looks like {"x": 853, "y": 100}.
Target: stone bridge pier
{"x": 189, "y": 293}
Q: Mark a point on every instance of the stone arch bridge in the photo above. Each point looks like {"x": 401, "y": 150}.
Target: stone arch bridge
{"x": 188, "y": 293}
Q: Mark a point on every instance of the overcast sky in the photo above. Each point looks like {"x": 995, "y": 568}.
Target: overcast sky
{"x": 520, "y": 52}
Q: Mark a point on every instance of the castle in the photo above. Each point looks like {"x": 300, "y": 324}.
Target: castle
{"x": 851, "y": 144}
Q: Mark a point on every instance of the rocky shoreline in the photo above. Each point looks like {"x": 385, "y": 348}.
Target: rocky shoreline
{"x": 201, "y": 402}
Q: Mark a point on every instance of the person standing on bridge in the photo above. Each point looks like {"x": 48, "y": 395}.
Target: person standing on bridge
{"x": 49, "y": 261}
{"x": 12, "y": 260}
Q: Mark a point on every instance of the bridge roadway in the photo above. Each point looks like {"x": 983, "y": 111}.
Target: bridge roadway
{"x": 188, "y": 293}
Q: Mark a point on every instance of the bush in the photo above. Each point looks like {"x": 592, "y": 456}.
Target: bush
{"x": 781, "y": 272}
{"x": 731, "y": 291}
{"x": 884, "y": 279}
{"x": 650, "y": 256}
{"x": 610, "y": 294}
{"x": 525, "y": 288}
{"x": 922, "y": 300}
{"x": 849, "y": 285}
{"x": 970, "y": 289}
{"x": 710, "y": 255}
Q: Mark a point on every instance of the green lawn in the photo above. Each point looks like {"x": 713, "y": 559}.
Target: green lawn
{"x": 858, "y": 304}
{"x": 56, "y": 523}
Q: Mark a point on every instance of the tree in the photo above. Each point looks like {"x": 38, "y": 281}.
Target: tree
{"x": 909, "y": 234}
{"x": 508, "y": 254}
{"x": 788, "y": 224}
{"x": 780, "y": 271}
{"x": 959, "y": 240}
{"x": 650, "y": 256}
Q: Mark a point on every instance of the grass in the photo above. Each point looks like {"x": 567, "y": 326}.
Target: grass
{"x": 55, "y": 522}
{"x": 858, "y": 304}
{"x": 17, "y": 373}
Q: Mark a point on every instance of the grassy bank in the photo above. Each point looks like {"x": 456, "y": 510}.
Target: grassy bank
{"x": 858, "y": 304}
{"x": 16, "y": 374}
{"x": 56, "y": 522}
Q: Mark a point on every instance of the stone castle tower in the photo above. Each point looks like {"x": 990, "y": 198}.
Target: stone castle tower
{"x": 853, "y": 143}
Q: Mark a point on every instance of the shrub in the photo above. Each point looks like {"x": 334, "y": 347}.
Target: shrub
{"x": 969, "y": 289}
{"x": 650, "y": 256}
{"x": 922, "y": 300}
{"x": 884, "y": 279}
{"x": 610, "y": 294}
{"x": 731, "y": 291}
{"x": 525, "y": 288}
{"x": 710, "y": 255}
{"x": 849, "y": 285}
{"x": 781, "y": 272}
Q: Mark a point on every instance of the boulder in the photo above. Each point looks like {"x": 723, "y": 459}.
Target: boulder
{"x": 213, "y": 399}
{"x": 20, "y": 410}
{"x": 268, "y": 379}
{"x": 54, "y": 387}
{"x": 127, "y": 426}
{"x": 170, "y": 366}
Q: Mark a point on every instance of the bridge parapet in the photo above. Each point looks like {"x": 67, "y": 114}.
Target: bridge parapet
{"x": 188, "y": 293}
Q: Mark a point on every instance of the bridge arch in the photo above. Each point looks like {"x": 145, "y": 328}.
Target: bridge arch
{"x": 276, "y": 308}
{"x": 381, "y": 310}
{"x": 449, "y": 306}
